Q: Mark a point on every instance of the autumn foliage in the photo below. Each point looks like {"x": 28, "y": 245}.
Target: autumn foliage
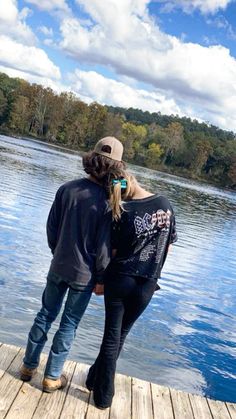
{"x": 169, "y": 143}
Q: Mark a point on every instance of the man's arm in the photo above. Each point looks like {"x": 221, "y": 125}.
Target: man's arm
{"x": 103, "y": 254}
{"x": 53, "y": 221}
{"x": 99, "y": 288}
{"x": 111, "y": 233}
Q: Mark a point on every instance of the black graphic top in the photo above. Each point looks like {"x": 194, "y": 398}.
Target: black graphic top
{"x": 142, "y": 236}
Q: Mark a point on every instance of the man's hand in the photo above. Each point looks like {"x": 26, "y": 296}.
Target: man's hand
{"x": 99, "y": 289}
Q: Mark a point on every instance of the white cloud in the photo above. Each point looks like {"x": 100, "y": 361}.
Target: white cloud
{"x": 12, "y": 22}
{"x": 220, "y": 22}
{"x": 183, "y": 77}
{"x": 49, "y": 42}
{"x": 50, "y": 5}
{"x": 205, "y": 6}
{"x": 28, "y": 59}
{"x": 209, "y": 40}
{"x": 201, "y": 80}
{"x": 9, "y": 11}
{"x": 18, "y": 55}
{"x": 45, "y": 30}
{"x": 93, "y": 86}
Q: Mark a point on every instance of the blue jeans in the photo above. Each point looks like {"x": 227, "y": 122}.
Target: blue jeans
{"x": 75, "y": 306}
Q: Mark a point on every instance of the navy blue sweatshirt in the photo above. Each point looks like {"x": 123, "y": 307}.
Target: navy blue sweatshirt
{"x": 78, "y": 232}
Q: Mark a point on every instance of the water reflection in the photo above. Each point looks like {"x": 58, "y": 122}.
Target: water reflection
{"x": 186, "y": 338}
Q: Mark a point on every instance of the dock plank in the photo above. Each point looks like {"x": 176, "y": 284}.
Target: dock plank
{"x": 121, "y": 404}
{"x": 232, "y": 410}
{"x": 134, "y": 398}
{"x": 7, "y": 354}
{"x": 10, "y": 384}
{"x": 76, "y": 403}
{"x": 29, "y": 395}
{"x": 50, "y": 405}
{"x": 162, "y": 406}
{"x": 94, "y": 413}
{"x": 218, "y": 409}
{"x": 181, "y": 405}
{"x": 141, "y": 399}
{"x": 200, "y": 407}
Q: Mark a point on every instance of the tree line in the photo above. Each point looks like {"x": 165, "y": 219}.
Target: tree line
{"x": 168, "y": 143}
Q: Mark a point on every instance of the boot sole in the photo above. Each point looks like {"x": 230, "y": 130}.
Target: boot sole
{"x": 25, "y": 377}
{"x": 101, "y": 407}
{"x": 89, "y": 388}
{"x": 51, "y": 390}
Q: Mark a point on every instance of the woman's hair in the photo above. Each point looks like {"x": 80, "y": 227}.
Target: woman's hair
{"x": 105, "y": 171}
{"x": 117, "y": 194}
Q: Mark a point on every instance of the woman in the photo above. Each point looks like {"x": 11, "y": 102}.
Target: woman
{"x": 143, "y": 229}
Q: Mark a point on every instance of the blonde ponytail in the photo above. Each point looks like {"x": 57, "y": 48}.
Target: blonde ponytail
{"x": 117, "y": 194}
{"x": 116, "y": 201}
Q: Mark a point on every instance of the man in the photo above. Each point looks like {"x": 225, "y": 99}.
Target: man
{"x": 78, "y": 232}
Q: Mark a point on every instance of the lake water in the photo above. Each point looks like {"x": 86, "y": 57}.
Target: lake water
{"x": 187, "y": 336}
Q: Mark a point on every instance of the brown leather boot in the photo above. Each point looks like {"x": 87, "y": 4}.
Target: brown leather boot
{"x": 50, "y": 385}
{"x": 27, "y": 373}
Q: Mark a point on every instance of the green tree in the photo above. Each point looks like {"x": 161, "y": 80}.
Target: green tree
{"x": 75, "y": 124}
{"x": 96, "y": 120}
{"x": 20, "y": 115}
{"x": 132, "y": 137}
{"x": 173, "y": 142}
{"x": 201, "y": 149}
{"x": 113, "y": 125}
{"x": 8, "y": 87}
{"x": 153, "y": 155}
{"x": 41, "y": 107}
{"x": 3, "y": 104}
{"x": 232, "y": 174}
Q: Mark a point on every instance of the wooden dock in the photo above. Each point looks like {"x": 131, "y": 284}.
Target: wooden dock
{"x": 134, "y": 398}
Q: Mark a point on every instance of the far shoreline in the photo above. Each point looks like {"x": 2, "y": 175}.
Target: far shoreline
{"x": 81, "y": 152}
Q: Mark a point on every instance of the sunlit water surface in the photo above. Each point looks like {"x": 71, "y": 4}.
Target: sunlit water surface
{"x": 187, "y": 336}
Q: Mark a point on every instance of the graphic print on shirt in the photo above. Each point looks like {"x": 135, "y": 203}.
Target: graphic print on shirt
{"x": 147, "y": 252}
{"x": 147, "y": 227}
{"x": 161, "y": 245}
{"x": 148, "y": 223}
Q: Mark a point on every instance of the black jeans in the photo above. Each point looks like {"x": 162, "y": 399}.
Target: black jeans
{"x": 126, "y": 297}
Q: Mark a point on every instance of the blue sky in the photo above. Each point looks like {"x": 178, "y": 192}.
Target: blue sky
{"x": 172, "y": 56}
{"x": 209, "y": 29}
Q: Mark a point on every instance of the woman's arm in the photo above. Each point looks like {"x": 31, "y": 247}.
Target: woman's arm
{"x": 113, "y": 253}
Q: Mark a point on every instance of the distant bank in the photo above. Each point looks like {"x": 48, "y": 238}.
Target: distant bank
{"x": 167, "y": 143}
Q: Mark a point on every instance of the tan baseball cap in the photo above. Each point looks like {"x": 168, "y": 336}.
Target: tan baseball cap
{"x": 109, "y": 147}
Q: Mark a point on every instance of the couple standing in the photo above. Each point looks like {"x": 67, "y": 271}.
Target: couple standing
{"x": 109, "y": 235}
